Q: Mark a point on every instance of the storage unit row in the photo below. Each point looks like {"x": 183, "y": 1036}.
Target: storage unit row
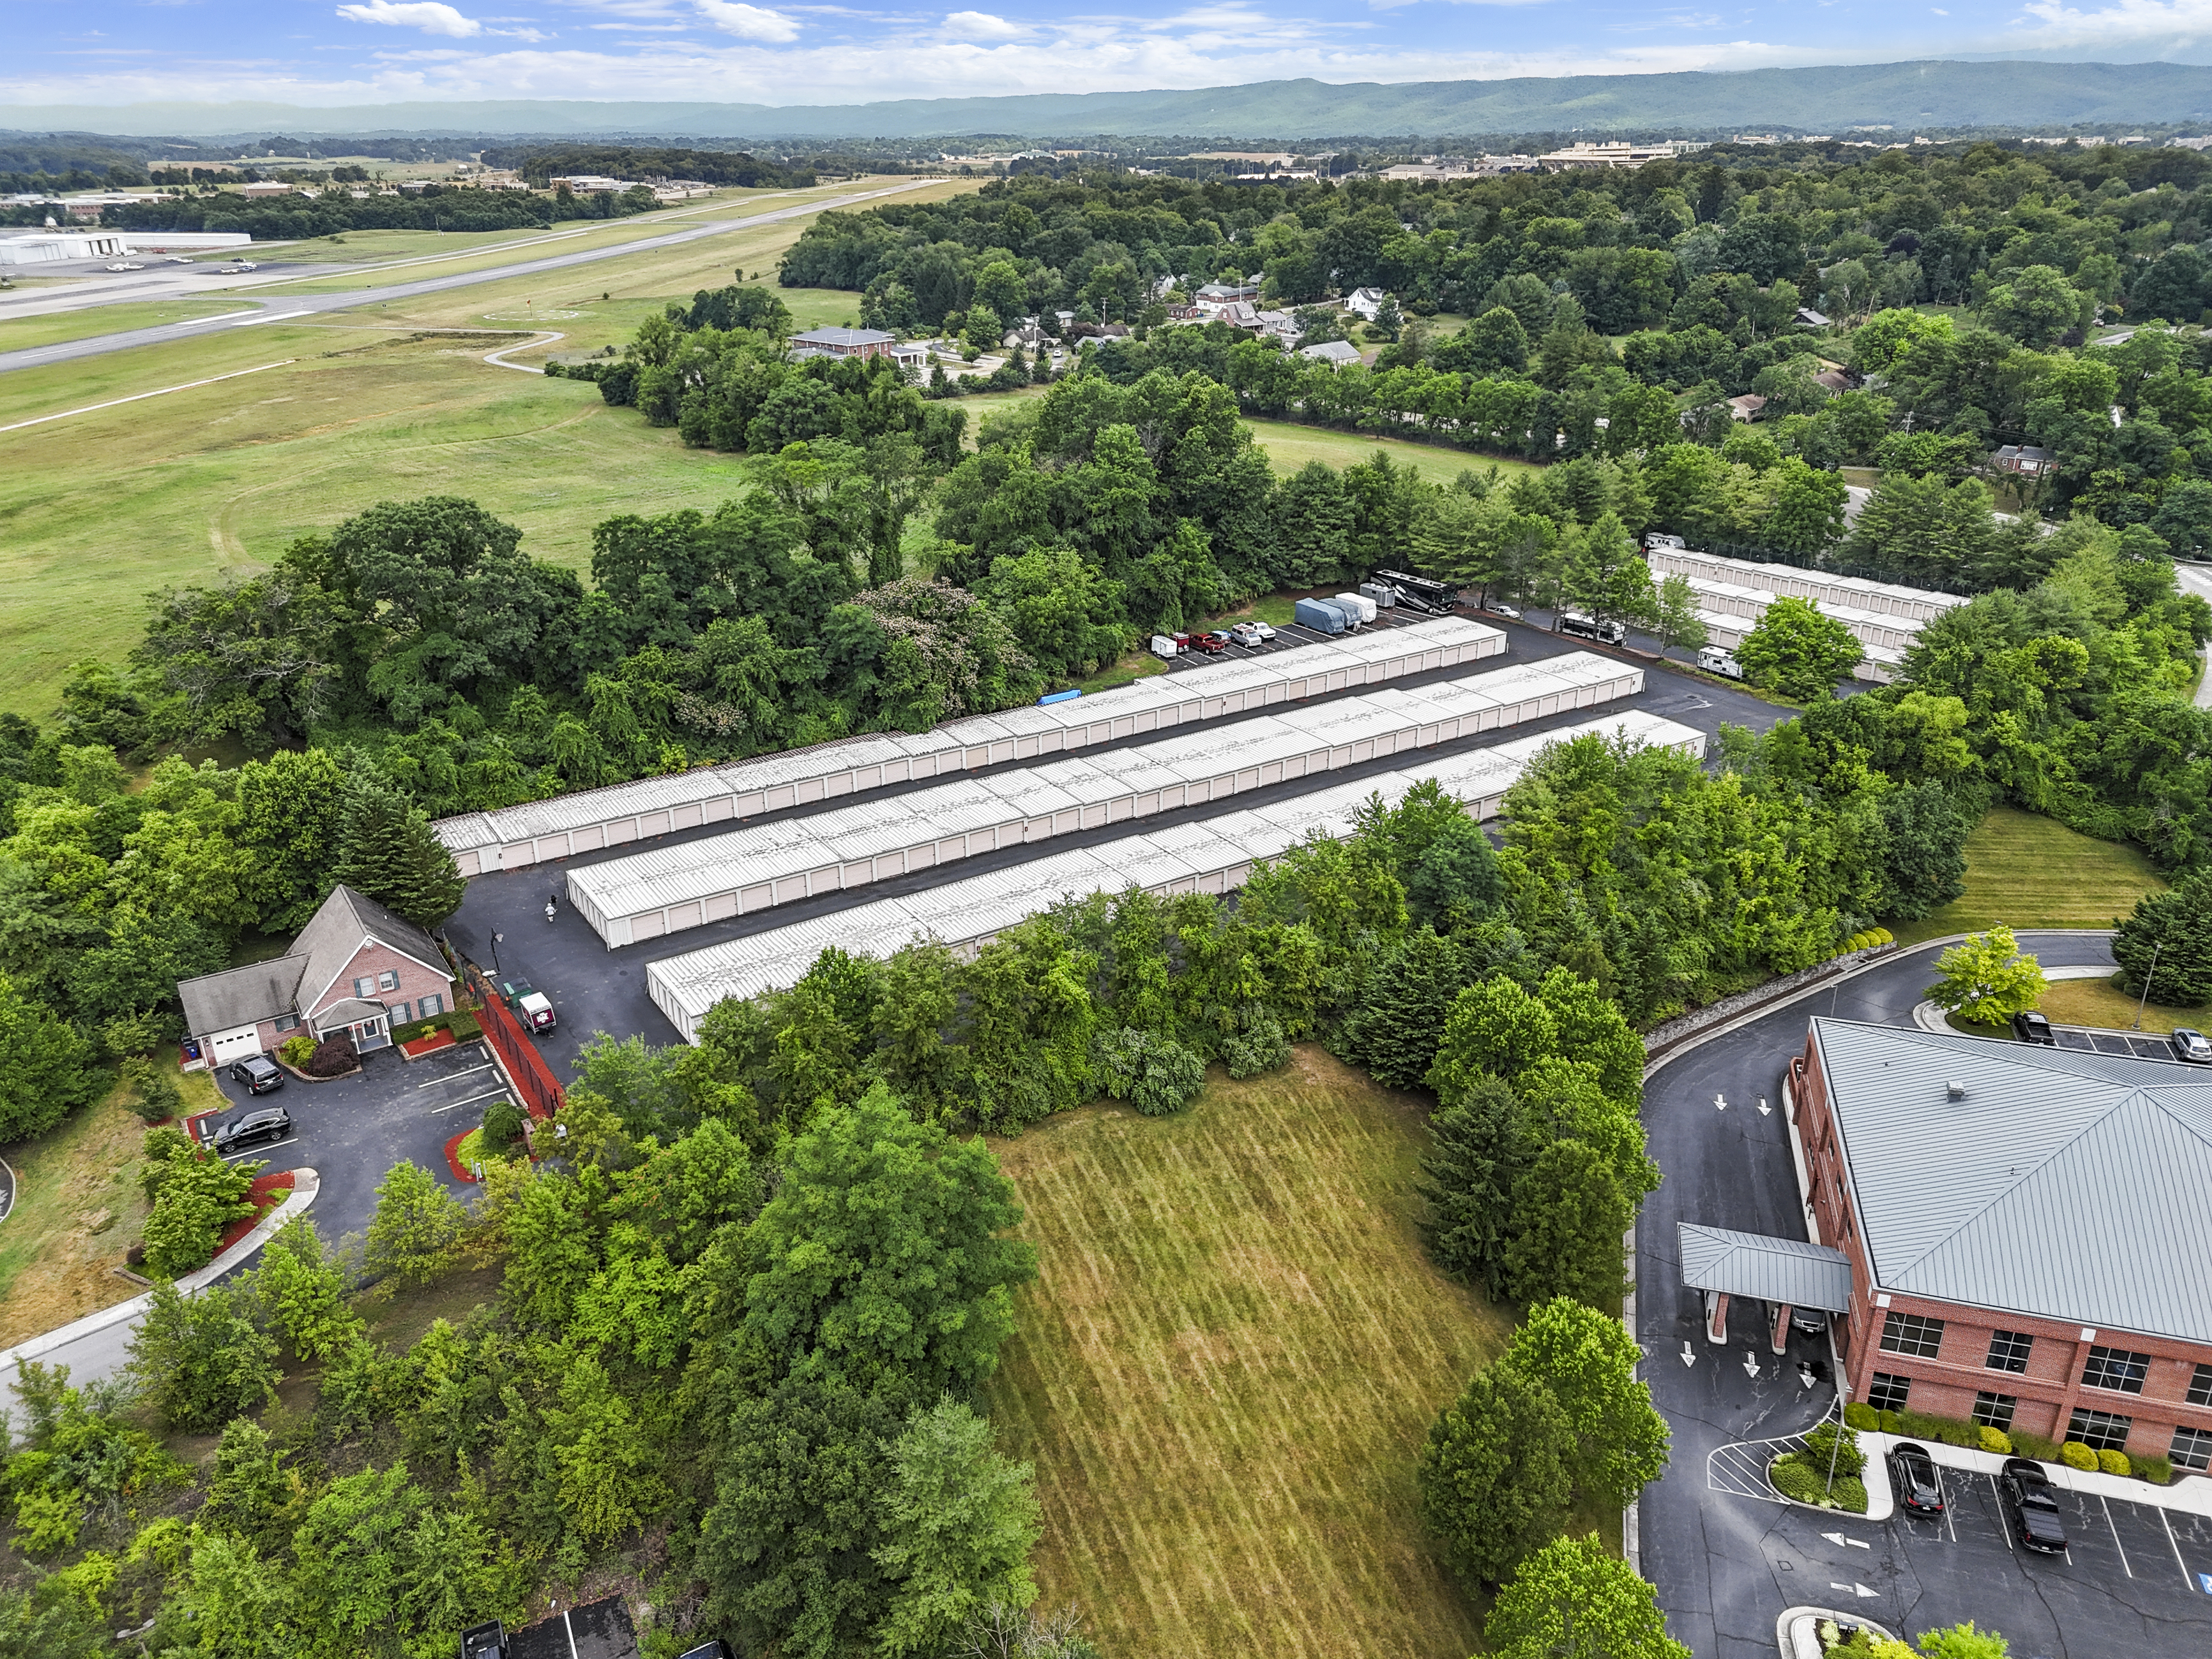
{"x": 1747, "y": 606}
{"x": 1727, "y": 628}
{"x": 1213, "y": 856}
{"x": 1914, "y": 605}
{"x": 516, "y": 837}
{"x": 689, "y": 883}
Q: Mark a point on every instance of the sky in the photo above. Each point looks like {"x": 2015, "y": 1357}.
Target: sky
{"x": 321, "y": 53}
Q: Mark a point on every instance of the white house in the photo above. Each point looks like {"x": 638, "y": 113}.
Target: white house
{"x": 1366, "y": 301}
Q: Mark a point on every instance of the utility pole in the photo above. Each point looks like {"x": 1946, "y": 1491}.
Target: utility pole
{"x": 2147, "y": 974}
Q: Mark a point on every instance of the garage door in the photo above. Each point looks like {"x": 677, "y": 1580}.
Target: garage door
{"x": 227, "y": 1046}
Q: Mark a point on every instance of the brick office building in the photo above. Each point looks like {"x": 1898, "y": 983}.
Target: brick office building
{"x": 2029, "y": 1229}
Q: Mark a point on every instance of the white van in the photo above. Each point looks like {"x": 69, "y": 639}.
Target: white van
{"x": 1719, "y": 659}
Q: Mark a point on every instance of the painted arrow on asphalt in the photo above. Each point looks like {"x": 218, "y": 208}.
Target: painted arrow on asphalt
{"x": 1838, "y": 1538}
{"x": 1721, "y": 1100}
{"x": 1765, "y": 1110}
{"x": 1852, "y": 1589}
{"x": 1689, "y": 1354}
{"x": 1751, "y": 1365}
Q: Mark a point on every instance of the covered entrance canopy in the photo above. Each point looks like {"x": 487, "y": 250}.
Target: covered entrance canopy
{"x": 367, "y": 1020}
{"x": 1783, "y": 1273}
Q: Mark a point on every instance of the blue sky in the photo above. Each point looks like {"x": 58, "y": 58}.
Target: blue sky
{"x": 363, "y": 51}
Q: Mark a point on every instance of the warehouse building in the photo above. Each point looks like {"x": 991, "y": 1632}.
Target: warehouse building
{"x": 1884, "y": 617}
{"x": 693, "y": 883}
{"x": 2029, "y": 1231}
{"x": 1214, "y": 856}
{"x": 517, "y": 837}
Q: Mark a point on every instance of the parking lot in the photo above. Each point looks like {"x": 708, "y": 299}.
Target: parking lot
{"x": 351, "y": 1129}
{"x": 2139, "y": 1045}
{"x": 2136, "y": 1579}
{"x": 1289, "y": 637}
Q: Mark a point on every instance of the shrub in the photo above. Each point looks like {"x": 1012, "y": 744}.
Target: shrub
{"x": 1262, "y": 1048}
{"x": 154, "y": 1092}
{"x": 294, "y": 1051}
{"x": 2114, "y": 1462}
{"x": 2025, "y": 1445}
{"x": 1860, "y": 1415}
{"x": 1891, "y": 1423}
{"x": 1805, "y": 1483}
{"x": 2076, "y": 1455}
{"x": 1155, "y": 1074}
{"x": 2155, "y": 1468}
{"x": 1997, "y": 1441}
{"x": 332, "y": 1057}
{"x": 139, "y": 1033}
{"x": 502, "y": 1124}
{"x": 1822, "y": 1452}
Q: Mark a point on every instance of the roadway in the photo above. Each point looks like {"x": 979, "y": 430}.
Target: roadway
{"x": 2197, "y": 578}
{"x": 285, "y": 308}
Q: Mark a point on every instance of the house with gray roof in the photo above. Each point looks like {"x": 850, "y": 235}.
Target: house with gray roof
{"x": 1335, "y": 353}
{"x": 357, "y": 967}
{"x": 2029, "y": 1230}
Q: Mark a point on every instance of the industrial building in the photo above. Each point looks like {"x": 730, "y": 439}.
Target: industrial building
{"x": 517, "y": 837}
{"x": 1213, "y": 856}
{"x": 1884, "y": 617}
{"x": 692, "y": 882}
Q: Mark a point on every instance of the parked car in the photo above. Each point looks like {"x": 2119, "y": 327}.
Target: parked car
{"x": 1656, "y": 540}
{"x": 126, "y": 265}
{"x": 1810, "y": 1320}
{"x": 1254, "y": 633}
{"x": 252, "y": 1128}
{"x": 716, "y": 1649}
{"x": 1225, "y": 637}
{"x": 236, "y": 268}
{"x": 2192, "y": 1046}
{"x": 257, "y": 1074}
{"x": 2033, "y": 1511}
{"x": 530, "y": 1005}
{"x": 1912, "y": 1477}
{"x": 2032, "y": 1027}
{"x": 1505, "y": 611}
{"x": 1212, "y": 644}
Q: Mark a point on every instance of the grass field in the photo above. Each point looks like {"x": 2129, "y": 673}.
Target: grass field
{"x": 2100, "y": 1003}
{"x": 25, "y": 333}
{"x": 1227, "y": 1367}
{"x": 78, "y": 1208}
{"x": 2027, "y": 872}
{"x": 1290, "y": 447}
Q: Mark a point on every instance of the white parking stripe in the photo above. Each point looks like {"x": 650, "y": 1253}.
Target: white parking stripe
{"x": 2186, "y": 1580}
{"x": 232, "y": 1158}
{"x": 2116, "y": 1536}
{"x": 471, "y": 1101}
{"x": 436, "y": 1082}
{"x": 2004, "y": 1520}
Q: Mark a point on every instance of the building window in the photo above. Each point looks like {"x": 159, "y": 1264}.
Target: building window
{"x": 290, "y": 1022}
{"x": 401, "y": 1014}
{"x": 1887, "y": 1393}
{"x": 2192, "y": 1449}
{"x": 1911, "y": 1333}
{"x": 388, "y": 980}
{"x": 364, "y": 988}
{"x": 2115, "y": 1368}
{"x": 2200, "y": 1387}
{"x": 2007, "y": 1352}
{"x": 431, "y": 1005}
{"x": 1994, "y": 1411}
{"x": 2100, "y": 1430}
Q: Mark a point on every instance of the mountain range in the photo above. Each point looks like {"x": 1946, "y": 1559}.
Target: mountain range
{"x": 1930, "y": 94}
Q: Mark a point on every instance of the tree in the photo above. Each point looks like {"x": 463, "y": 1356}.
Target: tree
{"x": 1495, "y": 1476}
{"x": 1572, "y": 1211}
{"x": 1798, "y": 651}
{"x": 1495, "y": 1026}
{"x": 1605, "y": 576}
{"x": 304, "y": 1292}
{"x": 196, "y": 1196}
{"x": 1400, "y": 1021}
{"x": 1806, "y": 515}
{"x": 1572, "y": 1599}
{"x": 200, "y": 1359}
{"x": 883, "y": 1249}
{"x": 2175, "y": 926}
{"x": 2037, "y": 305}
{"x": 253, "y": 655}
{"x": 959, "y": 1522}
{"x": 45, "y": 1067}
{"x": 1675, "y": 616}
{"x": 1155, "y": 1074}
{"x": 1987, "y": 979}
{"x": 388, "y": 852}
{"x": 417, "y": 1226}
{"x": 1588, "y": 1361}
{"x": 1479, "y": 1140}
{"x": 1926, "y": 861}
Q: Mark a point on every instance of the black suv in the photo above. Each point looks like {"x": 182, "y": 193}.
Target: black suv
{"x": 257, "y": 1074}
{"x": 2033, "y": 1511}
{"x": 2032, "y": 1027}
{"x": 1912, "y": 1477}
{"x": 249, "y": 1128}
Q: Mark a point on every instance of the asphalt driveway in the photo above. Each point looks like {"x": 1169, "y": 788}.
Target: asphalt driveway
{"x": 351, "y": 1130}
{"x": 1726, "y": 1563}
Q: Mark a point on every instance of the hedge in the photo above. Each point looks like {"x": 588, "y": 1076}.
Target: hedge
{"x": 1795, "y": 1479}
{"x": 461, "y": 1022}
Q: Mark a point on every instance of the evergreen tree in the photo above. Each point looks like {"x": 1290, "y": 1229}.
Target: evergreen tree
{"x": 388, "y": 852}
{"x": 1494, "y": 1476}
{"x": 1395, "y": 1030}
{"x": 1478, "y": 1144}
{"x": 1573, "y": 1212}
{"x": 2176, "y": 927}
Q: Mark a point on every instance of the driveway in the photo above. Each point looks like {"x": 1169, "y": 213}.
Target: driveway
{"x": 1725, "y": 1564}
{"x": 352, "y": 1129}
{"x": 594, "y": 989}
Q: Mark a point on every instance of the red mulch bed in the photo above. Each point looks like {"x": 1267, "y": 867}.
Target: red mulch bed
{"x": 263, "y": 1193}
{"x": 428, "y": 1044}
{"x": 454, "y": 1164}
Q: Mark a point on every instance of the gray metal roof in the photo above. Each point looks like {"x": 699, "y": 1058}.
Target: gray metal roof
{"x": 1771, "y": 1269}
{"x": 2077, "y": 1186}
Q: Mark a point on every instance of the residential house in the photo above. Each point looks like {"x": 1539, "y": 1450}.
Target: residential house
{"x": 1747, "y": 407}
{"x": 357, "y": 968}
{"x": 1808, "y": 318}
{"x": 1223, "y": 294}
{"x": 2024, "y": 460}
{"x": 843, "y": 343}
{"x": 1366, "y": 302}
{"x": 1335, "y": 353}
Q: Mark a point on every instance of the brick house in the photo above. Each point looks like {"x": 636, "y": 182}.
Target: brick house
{"x": 357, "y": 968}
{"x": 2029, "y": 1230}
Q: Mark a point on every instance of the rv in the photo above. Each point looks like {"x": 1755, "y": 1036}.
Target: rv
{"x": 1718, "y": 659}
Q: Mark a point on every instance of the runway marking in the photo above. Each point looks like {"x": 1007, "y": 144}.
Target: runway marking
{"x": 136, "y": 395}
{"x": 272, "y": 317}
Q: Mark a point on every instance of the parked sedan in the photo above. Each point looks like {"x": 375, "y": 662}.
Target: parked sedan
{"x": 252, "y": 1129}
{"x": 2033, "y": 1511}
{"x": 2032, "y": 1027}
{"x": 2192, "y": 1046}
{"x": 1912, "y": 1476}
{"x": 1508, "y": 611}
{"x": 1252, "y": 633}
{"x": 257, "y": 1074}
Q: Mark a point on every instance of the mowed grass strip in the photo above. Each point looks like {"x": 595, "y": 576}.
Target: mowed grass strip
{"x": 57, "y": 327}
{"x": 2031, "y": 871}
{"x": 1290, "y": 445}
{"x": 1227, "y": 1367}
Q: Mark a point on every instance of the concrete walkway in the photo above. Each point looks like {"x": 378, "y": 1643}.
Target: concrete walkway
{"x": 98, "y": 1345}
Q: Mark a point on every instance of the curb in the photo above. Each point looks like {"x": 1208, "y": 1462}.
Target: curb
{"x": 1785, "y": 1627}
{"x": 305, "y": 1185}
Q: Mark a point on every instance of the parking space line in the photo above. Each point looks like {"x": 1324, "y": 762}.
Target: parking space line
{"x": 232, "y": 1158}
{"x": 2004, "y": 1526}
{"x": 471, "y": 1101}
{"x": 471, "y": 1071}
{"x": 1950, "y": 1510}
{"x": 2187, "y": 1582}
{"x": 2115, "y": 1531}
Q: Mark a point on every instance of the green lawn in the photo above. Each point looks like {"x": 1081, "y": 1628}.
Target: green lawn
{"x": 2027, "y": 872}
{"x": 24, "y": 333}
{"x": 1226, "y": 1369}
{"x": 1290, "y": 447}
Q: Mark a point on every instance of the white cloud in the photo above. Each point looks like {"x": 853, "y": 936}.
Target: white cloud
{"x": 431, "y": 16}
{"x": 981, "y": 25}
{"x": 2124, "y": 20}
{"x": 747, "y": 22}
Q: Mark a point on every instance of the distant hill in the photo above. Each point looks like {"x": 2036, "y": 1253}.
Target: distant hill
{"x": 1932, "y": 93}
